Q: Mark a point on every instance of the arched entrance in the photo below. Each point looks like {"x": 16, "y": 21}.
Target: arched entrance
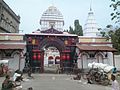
{"x": 99, "y": 57}
{"x": 38, "y": 46}
{"x": 50, "y": 60}
{"x": 52, "y": 48}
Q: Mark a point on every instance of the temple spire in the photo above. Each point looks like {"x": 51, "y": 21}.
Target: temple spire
{"x": 90, "y": 28}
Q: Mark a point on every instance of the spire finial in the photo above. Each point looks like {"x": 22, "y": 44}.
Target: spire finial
{"x": 91, "y": 5}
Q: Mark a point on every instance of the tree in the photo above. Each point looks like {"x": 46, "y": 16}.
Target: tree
{"x": 115, "y": 37}
{"x": 65, "y": 30}
{"x": 78, "y": 28}
{"x": 112, "y": 33}
{"x": 71, "y": 30}
{"x": 106, "y": 32}
{"x": 116, "y": 11}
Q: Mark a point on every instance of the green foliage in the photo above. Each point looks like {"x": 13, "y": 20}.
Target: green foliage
{"x": 103, "y": 34}
{"x": 109, "y": 26}
{"x": 113, "y": 0}
{"x": 116, "y": 40}
{"x": 107, "y": 31}
{"x": 116, "y": 10}
{"x": 110, "y": 33}
{"x": 71, "y": 30}
{"x": 77, "y": 30}
{"x": 65, "y": 30}
{"x": 114, "y": 34}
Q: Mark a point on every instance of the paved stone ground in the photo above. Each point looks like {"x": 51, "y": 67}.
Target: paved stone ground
{"x": 57, "y": 82}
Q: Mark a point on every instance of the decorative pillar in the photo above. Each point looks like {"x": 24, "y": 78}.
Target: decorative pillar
{"x": 34, "y": 56}
{"x": 63, "y": 57}
{"x": 82, "y": 62}
{"x": 39, "y": 57}
{"x": 20, "y": 57}
{"x": 113, "y": 59}
{"x": 98, "y": 58}
{"x": 19, "y": 61}
{"x": 68, "y": 57}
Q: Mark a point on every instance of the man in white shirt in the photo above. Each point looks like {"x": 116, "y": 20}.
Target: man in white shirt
{"x": 115, "y": 84}
{"x": 15, "y": 76}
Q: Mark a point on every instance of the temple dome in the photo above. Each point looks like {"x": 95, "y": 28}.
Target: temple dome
{"x": 52, "y": 17}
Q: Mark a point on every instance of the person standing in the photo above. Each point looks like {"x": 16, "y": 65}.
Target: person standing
{"x": 115, "y": 84}
{"x": 29, "y": 71}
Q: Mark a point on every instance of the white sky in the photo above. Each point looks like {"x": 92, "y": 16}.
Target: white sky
{"x": 30, "y": 11}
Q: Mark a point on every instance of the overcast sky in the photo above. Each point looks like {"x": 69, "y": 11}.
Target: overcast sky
{"x": 30, "y": 11}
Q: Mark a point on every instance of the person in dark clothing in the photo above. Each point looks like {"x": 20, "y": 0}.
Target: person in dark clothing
{"x": 7, "y": 84}
{"x": 88, "y": 79}
{"x": 19, "y": 78}
{"x": 78, "y": 77}
{"x": 29, "y": 72}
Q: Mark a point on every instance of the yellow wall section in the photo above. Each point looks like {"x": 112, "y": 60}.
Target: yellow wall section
{"x": 11, "y": 37}
{"x": 93, "y": 40}
{"x": 101, "y": 40}
{"x": 2, "y": 37}
{"x": 85, "y": 40}
{"x": 16, "y": 37}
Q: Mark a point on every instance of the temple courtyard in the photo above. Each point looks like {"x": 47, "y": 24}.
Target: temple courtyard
{"x": 57, "y": 82}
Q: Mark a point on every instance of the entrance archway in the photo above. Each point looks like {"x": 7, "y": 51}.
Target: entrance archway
{"x": 52, "y": 51}
{"x": 50, "y": 61}
{"x": 55, "y": 42}
{"x": 37, "y": 44}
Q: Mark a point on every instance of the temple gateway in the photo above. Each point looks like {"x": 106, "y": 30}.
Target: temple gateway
{"x": 49, "y": 47}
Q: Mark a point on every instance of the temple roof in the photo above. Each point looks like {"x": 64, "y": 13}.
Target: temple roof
{"x": 52, "y": 13}
{"x": 52, "y": 31}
